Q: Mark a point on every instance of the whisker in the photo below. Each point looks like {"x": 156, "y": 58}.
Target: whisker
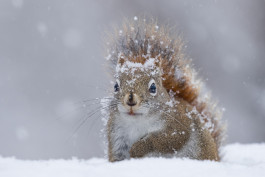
{"x": 66, "y": 113}
{"x": 81, "y": 107}
{"x": 93, "y": 122}
{"x": 99, "y": 99}
{"x": 95, "y": 103}
{"x": 90, "y": 102}
{"x": 96, "y": 99}
{"x": 88, "y": 116}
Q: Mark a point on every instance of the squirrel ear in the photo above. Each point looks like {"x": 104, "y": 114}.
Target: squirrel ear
{"x": 121, "y": 60}
{"x": 158, "y": 62}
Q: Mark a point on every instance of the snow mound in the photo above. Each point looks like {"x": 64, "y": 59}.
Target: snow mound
{"x": 238, "y": 160}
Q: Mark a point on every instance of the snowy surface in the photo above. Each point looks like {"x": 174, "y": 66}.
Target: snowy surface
{"x": 238, "y": 160}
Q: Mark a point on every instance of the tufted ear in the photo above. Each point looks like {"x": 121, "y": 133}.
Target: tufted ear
{"x": 158, "y": 62}
{"x": 121, "y": 59}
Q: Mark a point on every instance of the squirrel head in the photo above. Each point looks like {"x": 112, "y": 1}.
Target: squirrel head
{"x": 138, "y": 85}
{"x": 136, "y": 44}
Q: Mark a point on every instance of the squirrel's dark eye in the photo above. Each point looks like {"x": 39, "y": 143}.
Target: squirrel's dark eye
{"x": 152, "y": 88}
{"x": 116, "y": 87}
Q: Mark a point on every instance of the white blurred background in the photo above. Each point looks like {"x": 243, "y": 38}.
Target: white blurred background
{"x": 52, "y": 58}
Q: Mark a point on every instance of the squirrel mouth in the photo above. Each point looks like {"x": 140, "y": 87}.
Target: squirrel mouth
{"x": 132, "y": 113}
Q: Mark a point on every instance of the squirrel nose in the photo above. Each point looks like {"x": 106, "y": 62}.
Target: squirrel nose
{"x": 131, "y": 101}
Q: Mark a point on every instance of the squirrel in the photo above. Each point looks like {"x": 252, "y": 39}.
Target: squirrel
{"x": 157, "y": 108}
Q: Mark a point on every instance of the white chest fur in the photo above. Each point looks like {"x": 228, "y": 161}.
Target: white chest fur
{"x": 129, "y": 129}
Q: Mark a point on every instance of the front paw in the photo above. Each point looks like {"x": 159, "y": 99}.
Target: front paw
{"x": 117, "y": 157}
{"x": 140, "y": 149}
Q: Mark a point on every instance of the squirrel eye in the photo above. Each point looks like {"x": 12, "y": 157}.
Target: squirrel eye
{"x": 152, "y": 87}
{"x": 116, "y": 87}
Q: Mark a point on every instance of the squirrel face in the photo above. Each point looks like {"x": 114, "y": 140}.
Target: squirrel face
{"x": 138, "y": 87}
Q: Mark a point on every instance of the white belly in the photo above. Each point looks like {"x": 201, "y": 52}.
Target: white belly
{"x": 129, "y": 129}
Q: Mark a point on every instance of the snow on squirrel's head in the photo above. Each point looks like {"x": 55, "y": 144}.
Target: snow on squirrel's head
{"x": 138, "y": 84}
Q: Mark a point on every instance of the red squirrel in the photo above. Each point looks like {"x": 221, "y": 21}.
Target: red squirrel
{"x": 157, "y": 108}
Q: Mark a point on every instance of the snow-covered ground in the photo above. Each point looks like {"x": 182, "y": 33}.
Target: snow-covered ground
{"x": 238, "y": 160}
